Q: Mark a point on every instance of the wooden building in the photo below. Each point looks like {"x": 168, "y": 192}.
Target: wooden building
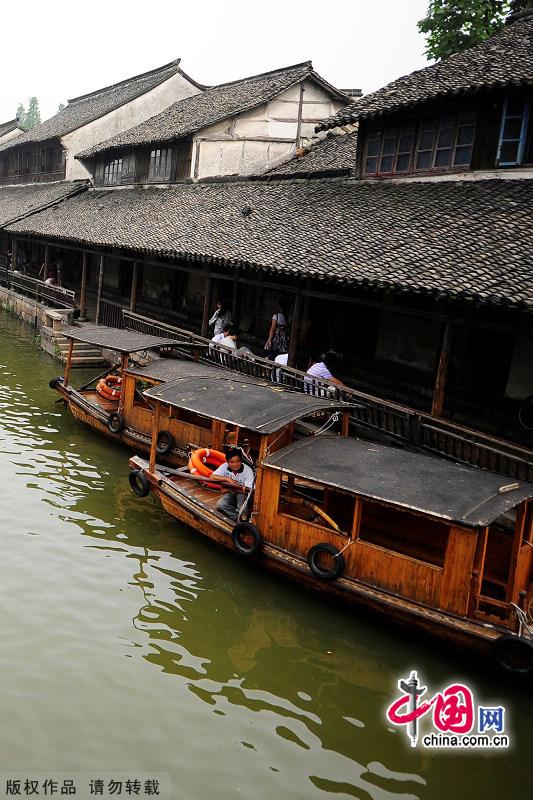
{"x": 237, "y": 128}
{"x": 47, "y": 151}
{"x": 418, "y": 270}
{"x": 10, "y": 130}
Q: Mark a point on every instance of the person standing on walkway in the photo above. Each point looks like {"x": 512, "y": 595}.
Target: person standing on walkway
{"x": 278, "y": 337}
{"x": 221, "y": 318}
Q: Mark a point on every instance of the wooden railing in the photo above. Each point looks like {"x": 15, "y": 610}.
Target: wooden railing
{"x": 110, "y": 314}
{"x": 38, "y": 290}
{"x": 399, "y": 424}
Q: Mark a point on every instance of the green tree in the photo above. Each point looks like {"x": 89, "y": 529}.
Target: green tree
{"x": 21, "y": 113}
{"x": 33, "y": 115}
{"x": 60, "y": 107}
{"x": 451, "y": 26}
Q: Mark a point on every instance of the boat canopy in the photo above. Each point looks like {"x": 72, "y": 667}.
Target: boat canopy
{"x": 255, "y": 405}
{"x": 414, "y": 481}
{"x": 117, "y": 339}
{"x": 169, "y": 369}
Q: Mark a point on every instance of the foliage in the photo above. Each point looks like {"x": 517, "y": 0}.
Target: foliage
{"x": 454, "y": 25}
{"x": 60, "y": 107}
{"x": 30, "y": 118}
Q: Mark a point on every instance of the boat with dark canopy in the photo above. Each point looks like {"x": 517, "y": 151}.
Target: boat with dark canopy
{"x": 438, "y": 546}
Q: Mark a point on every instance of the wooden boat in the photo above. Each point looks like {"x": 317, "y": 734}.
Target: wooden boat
{"x": 128, "y": 417}
{"x": 443, "y": 548}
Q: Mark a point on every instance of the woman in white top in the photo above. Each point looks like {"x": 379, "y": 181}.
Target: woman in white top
{"x": 221, "y": 318}
{"x": 278, "y": 338}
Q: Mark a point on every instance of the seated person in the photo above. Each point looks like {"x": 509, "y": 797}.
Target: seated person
{"x": 230, "y": 340}
{"x": 237, "y": 479}
{"x": 320, "y": 369}
{"x": 217, "y": 338}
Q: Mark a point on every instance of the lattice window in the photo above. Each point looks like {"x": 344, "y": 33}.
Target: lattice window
{"x": 113, "y": 171}
{"x": 160, "y": 164}
{"x": 513, "y": 131}
{"x": 446, "y": 141}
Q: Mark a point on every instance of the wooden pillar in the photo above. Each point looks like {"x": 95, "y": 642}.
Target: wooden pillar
{"x": 69, "y": 361}
{"x": 14, "y": 253}
{"x": 300, "y": 115}
{"x": 134, "y": 286}
{"x": 155, "y": 430}
{"x": 83, "y": 287}
{"x": 295, "y": 328}
{"x": 234, "y": 298}
{"x": 46, "y": 261}
{"x": 123, "y": 367}
{"x": 100, "y": 285}
{"x": 437, "y": 405}
{"x": 207, "y": 306}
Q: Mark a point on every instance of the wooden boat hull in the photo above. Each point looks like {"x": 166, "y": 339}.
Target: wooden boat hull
{"x": 458, "y": 631}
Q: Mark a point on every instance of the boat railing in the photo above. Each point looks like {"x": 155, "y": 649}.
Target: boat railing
{"x": 400, "y": 424}
{"x": 38, "y": 290}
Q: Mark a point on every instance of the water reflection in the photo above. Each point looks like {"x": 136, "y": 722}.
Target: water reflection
{"x": 182, "y": 657}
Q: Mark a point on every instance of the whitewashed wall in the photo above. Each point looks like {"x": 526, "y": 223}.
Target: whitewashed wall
{"x": 11, "y": 135}
{"x": 257, "y": 140}
{"x": 121, "y": 119}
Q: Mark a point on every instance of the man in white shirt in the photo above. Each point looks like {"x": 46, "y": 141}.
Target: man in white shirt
{"x": 238, "y": 480}
{"x": 219, "y": 336}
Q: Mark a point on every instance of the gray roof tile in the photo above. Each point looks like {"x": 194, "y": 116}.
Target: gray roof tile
{"x": 332, "y": 154}
{"x": 506, "y": 59}
{"x": 216, "y": 103}
{"x": 86, "y": 108}
{"x": 19, "y": 201}
{"x": 459, "y": 239}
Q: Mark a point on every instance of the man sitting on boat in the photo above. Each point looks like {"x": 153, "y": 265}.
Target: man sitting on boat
{"x": 238, "y": 480}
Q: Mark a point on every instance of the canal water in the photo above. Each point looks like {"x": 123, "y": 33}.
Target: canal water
{"x": 128, "y": 644}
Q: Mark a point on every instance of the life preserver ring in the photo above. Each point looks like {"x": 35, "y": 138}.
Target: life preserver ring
{"x": 204, "y": 462}
{"x": 110, "y": 387}
{"x": 514, "y": 654}
{"x": 320, "y": 571}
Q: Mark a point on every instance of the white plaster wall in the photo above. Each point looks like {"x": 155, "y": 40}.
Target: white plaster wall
{"x": 258, "y": 139}
{"x": 121, "y": 119}
{"x": 11, "y": 135}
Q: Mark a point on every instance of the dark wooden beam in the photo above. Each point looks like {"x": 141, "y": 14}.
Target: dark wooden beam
{"x": 100, "y": 286}
{"x": 437, "y": 405}
{"x": 295, "y": 328}
{"x": 207, "y": 306}
{"x": 83, "y": 288}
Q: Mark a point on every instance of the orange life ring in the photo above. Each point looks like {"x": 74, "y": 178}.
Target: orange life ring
{"x": 110, "y": 387}
{"x": 205, "y": 461}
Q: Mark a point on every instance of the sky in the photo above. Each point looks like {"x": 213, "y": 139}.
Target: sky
{"x": 64, "y": 49}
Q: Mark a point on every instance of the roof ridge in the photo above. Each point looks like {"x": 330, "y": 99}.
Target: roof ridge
{"x": 308, "y": 64}
{"x": 175, "y": 63}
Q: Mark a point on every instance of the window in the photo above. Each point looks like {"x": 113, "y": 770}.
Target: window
{"x": 513, "y": 131}
{"x": 160, "y": 164}
{"x": 445, "y": 141}
{"x": 113, "y": 171}
{"x": 317, "y": 505}
{"x": 390, "y": 151}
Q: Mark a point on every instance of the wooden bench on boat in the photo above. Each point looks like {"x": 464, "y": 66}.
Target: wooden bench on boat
{"x": 439, "y": 546}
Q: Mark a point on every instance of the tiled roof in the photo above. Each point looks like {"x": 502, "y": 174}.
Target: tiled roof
{"x": 506, "y": 59}
{"x": 17, "y": 202}
{"x": 461, "y": 239}
{"x": 197, "y": 112}
{"x": 12, "y": 125}
{"x": 88, "y": 107}
{"x": 332, "y": 154}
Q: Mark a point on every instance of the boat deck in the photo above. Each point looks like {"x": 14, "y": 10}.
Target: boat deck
{"x": 92, "y": 396}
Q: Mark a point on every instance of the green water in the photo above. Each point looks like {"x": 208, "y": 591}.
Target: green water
{"x": 130, "y": 644}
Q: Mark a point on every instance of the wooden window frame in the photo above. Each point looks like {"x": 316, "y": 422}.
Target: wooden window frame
{"x": 160, "y": 156}
{"x": 113, "y": 171}
{"x": 520, "y": 140}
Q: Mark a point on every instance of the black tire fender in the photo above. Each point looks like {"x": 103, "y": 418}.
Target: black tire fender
{"x": 54, "y": 382}
{"x": 165, "y": 443}
{"x": 326, "y": 573}
{"x": 514, "y": 654}
{"x": 115, "y": 422}
{"x": 246, "y": 538}
{"x": 139, "y": 483}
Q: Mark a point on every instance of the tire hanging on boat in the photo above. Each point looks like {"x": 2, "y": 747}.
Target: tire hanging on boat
{"x": 165, "y": 443}
{"x": 514, "y": 654}
{"x": 139, "y": 483}
{"x": 319, "y": 571}
{"x": 115, "y": 422}
{"x": 54, "y": 383}
{"x": 246, "y": 538}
